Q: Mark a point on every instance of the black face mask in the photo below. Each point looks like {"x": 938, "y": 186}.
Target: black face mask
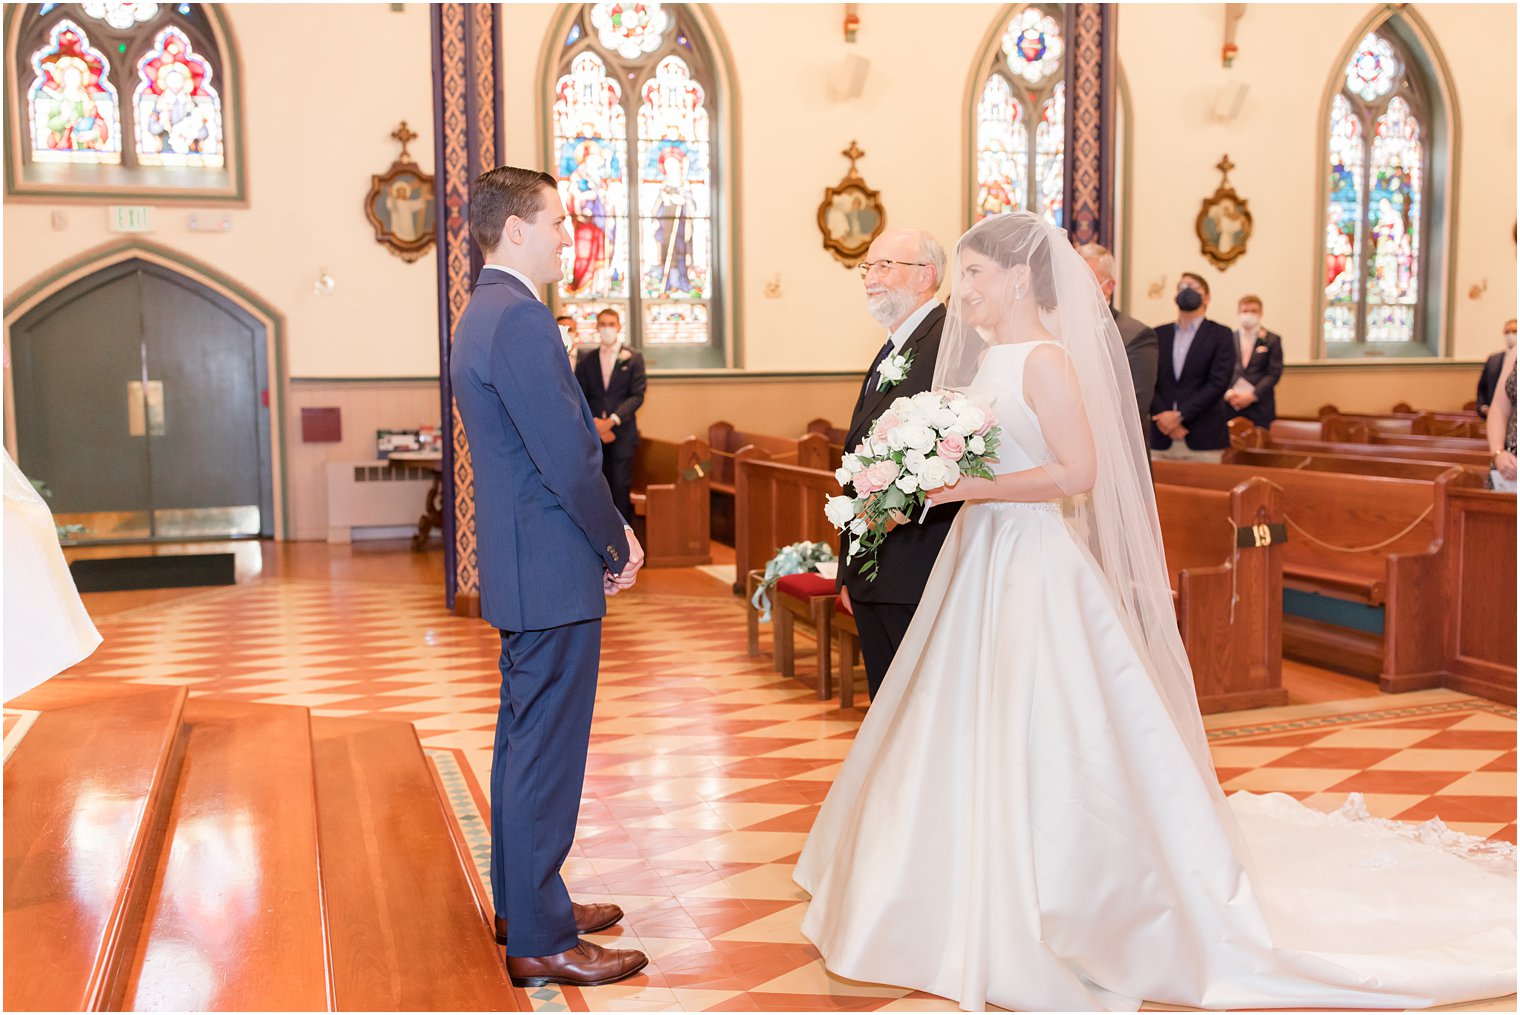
{"x": 1189, "y": 300}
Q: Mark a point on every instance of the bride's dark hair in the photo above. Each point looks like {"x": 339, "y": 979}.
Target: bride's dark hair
{"x": 1012, "y": 240}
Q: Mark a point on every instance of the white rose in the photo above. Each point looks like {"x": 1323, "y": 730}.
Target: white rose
{"x": 907, "y": 483}
{"x": 899, "y": 407}
{"x": 934, "y": 472}
{"x": 895, "y": 438}
{"x": 943, "y": 418}
{"x": 843, "y": 475}
{"x": 879, "y": 449}
{"x": 913, "y": 459}
{"x": 915, "y": 437}
{"x": 852, "y": 464}
{"x": 926, "y": 402}
{"x": 958, "y": 404}
{"x": 859, "y": 526}
{"x": 839, "y": 511}
{"x": 976, "y": 446}
{"x": 971, "y": 419}
{"x": 891, "y": 369}
{"x": 953, "y": 470}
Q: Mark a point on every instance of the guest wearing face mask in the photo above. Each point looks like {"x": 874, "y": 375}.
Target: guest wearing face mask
{"x": 612, "y": 379}
{"x": 1488, "y": 382}
{"x": 1258, "y": 367}
{"x": 1196, "y": 366}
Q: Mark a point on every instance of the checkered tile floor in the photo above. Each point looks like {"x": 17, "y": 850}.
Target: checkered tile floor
{"x": 707, "y": 769}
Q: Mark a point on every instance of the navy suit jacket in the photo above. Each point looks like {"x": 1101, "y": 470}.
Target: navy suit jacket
{"x": 623, "y": 397}
{"x": 1488, "y": 382}
{"x": 1264, "y": 371}
{"x": 546, "y": 529}
{"x": 1207, "y": 373}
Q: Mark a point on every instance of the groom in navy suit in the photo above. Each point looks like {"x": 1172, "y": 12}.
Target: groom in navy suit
{"x": 552, "y": 548}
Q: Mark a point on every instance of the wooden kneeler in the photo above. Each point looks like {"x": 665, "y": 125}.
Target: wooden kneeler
{"x": 809, "y": 598}
{"x": 847, "y": 645}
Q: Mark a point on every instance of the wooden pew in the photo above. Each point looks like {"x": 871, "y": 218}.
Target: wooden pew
{"x": 671, "y": 494}
{"x": 1350, "y": 465}
{"x": 730, "y": 446}
{"x": 1235, "y": 650}
{"x": 1325, "y": 510}
{"x": 836, "y": 436}
{"x": 776, "y": 504}
{"x": 1473, "y": 563}
{"x": 1245, "y": 435}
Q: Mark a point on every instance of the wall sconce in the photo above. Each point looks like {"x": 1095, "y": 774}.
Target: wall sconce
{"x": 851, "y": 21}
{"x": 1157, "y": 289}
{"x": 1476, "y": 291}
{"x": 325, "y": 283}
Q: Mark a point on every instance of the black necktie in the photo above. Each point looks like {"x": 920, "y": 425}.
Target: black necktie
{"x": 886, "y": 350}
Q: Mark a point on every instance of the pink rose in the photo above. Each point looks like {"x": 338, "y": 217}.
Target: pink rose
{"x": 884, "y": 426}
{"x": 880, "y": 474}
{"x": 952, "y": 448}
{"x": 863, "y": 483}
{"x": 987, "y": 424}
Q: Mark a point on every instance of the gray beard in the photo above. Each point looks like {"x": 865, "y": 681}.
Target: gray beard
{"x": 890, "y": 308}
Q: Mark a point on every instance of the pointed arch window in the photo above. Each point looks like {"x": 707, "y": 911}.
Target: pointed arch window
{"x": 1021, "y": 119}
{"x": 1378, "y": 220}
{"x": 119, "y": 98}
{"x": 633, "y": 115}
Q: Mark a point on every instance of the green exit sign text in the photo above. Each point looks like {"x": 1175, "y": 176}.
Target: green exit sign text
{"x": 129, "y": 218}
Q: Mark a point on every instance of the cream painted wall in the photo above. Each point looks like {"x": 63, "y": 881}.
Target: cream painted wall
{"x": 1287, "y": 53}
{"x": 311, "y": 153}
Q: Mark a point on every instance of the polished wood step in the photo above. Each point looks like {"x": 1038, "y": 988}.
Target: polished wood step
{"x": 87, "y": 795}
{"x": 406, "y": 929}
{"x": 235, "y": 920}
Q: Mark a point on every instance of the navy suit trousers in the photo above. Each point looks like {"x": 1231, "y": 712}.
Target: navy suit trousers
{"x": 548, "y": 691}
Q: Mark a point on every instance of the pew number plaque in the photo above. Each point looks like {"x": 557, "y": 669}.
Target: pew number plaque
{"x": 1256, "y": 537}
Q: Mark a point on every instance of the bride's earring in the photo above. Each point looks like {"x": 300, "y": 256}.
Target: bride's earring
{"x": 1020, "y": 290}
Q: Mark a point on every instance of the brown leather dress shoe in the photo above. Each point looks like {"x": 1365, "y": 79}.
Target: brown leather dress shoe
{"x": 586, "y": 965}
{"x": 590, "y": 917}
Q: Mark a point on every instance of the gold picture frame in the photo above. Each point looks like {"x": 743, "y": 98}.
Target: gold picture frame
{"x": 400, "y": 205}
{"x": 1224, "y": 222}
{"x": 851, "y": 215}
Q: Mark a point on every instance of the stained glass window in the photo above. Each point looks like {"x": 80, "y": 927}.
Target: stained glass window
{"x": 133, "y": 86}
{"x": 1021, "y": 119}
{"x": 1375, "y": 207}
{"x": 73, "y": 105}
{"x": 179, "y": 114}
{"x": 641, "y": 203}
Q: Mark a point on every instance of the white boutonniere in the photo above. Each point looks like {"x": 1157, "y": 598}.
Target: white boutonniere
{"x": 892, "y": 370}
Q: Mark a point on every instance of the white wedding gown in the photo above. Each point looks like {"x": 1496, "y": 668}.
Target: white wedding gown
{"x": 1019, "y": 821}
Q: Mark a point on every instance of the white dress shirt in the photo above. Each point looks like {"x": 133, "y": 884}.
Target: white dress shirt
{"x": 905, "y": 330}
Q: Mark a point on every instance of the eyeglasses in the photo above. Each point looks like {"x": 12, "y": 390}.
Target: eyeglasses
{"x": 866, "y": 267}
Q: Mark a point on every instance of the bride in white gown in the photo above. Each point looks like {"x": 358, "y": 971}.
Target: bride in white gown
{"x": 1029, "y": 814}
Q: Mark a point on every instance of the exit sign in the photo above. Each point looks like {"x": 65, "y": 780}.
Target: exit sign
{"x": 129, "y": 218}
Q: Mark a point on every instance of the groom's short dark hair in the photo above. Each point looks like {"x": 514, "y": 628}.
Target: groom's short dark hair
{"x": 501, "y": 193}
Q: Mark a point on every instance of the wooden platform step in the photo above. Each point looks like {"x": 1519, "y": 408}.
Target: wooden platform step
{"x": 87, "y": 791}
{"x": 235, "y": 920}
{"x": 406, "y": 928}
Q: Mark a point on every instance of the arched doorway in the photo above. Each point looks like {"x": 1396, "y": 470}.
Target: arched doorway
{"x": 141, "y": 403}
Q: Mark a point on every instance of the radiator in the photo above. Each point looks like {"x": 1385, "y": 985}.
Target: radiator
{"x": 372, "y": 500}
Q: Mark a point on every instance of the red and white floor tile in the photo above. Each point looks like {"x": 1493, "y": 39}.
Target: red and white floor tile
{"x": 706, "y": 768}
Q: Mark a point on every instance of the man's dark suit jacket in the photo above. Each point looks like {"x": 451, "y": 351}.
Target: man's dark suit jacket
{"x": 545, "y": 525}
{"x": 1140, "y": 349}
{"x": 1263, "y": 371}
{"x": 622, "y": 397}
{"x": 907, "y": 555}
{"x": 1488, "y": 382}
{"x": 1207, "y": 373}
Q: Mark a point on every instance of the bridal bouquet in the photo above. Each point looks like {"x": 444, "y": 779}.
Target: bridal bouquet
{"x": 920, "y": 443}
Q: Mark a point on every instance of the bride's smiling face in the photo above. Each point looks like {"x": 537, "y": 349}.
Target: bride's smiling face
{"x": 984, "y": 288}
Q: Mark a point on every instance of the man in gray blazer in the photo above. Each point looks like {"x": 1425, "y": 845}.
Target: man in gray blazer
{"x": 552, "y": 548}
{"x": 1139, "y": 339}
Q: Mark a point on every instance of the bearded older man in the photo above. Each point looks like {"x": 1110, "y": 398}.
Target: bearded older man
{"x": 902, "y": 272}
